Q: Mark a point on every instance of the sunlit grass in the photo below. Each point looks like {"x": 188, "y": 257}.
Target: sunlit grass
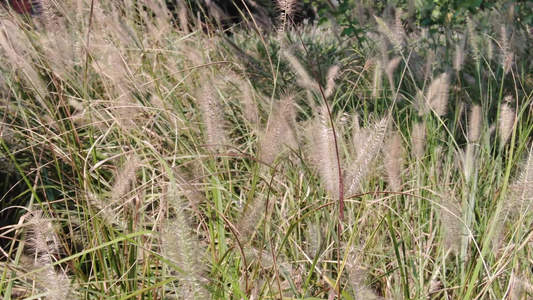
{"x": 143, "y": 161}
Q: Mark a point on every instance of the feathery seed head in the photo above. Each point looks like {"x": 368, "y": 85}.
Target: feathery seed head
{"x": 333, "y": 72}
{"x": 44, "y": 243}
{"x": 326, "y": 148}
{"x": 42, "y": 235}
{"x": 474, "y": 124}
{"x": 359, "y": 135}
{"x": 213, "y": 118}
{"x": 304, "y": 80}
{"x": 359, "y": 169}
{"x": 522, "y": 194}
{"x": 384, "y": 51}
{"x": 459, "y": 58}
{"x": 183, "y": 17}
{"x": 438, "y": 93}
{"x": 376, "y": 82}
{"x": 505, "y": 122}
{"x": 279, "y": 130}
{"x": 391, "y": 68}
{"x": 180, "y": 246}
{"x": 251, "y": 217}
{"x": 468, "y": 161}
{"x": 125, "y": 178}
{"x": 395, "y": 37}
{"x": 322, "y": 151}
{"x": 393, "y": 161}
{"x": 451, "y": 215}
{"x": 471, "y": 26}
{"x": 504, "y": 42}
{"x": 418, "y": 139}
{"x": 508, "y": 62}
{"x": 428, "y": 69}
{"x": 356, "y": 277}
{"x": 490, "y": 50}
{"x": 288, "y": 9}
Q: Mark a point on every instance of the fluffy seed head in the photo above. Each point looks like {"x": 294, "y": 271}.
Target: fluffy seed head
{"x": 522, "y": 194}
{"x": 333, "y": 72}
{"x": 395, "y": 36}
{"x": 459, "y": 59}
{"x": 279, "y": 130}
{"x": 356, "y": 277}
{"x": 473, "y": 37}
{"x": 376, "y": 82}
{"x": 125, "y": 177}
{"x": 474, "y": 124}
{"x": 418, "y": 137}
{"x": 304, "y": 80}
{"x": 438, "y": 93}
{"x": 213, "y": 118}
{"x": 44, "y": 243}
{"x": 451, "y": 215}
{"x": 183, "y": 16}
{"x": 508, "y": 62}
{"x": 181, "y": 247}
{"x": 251, "y": 217}
{"x": 323, "y": 153}
{"x": 505, "y": 122}
{"x": 42, "y": 237}
{"x": 490, "y": 50}
{"x": 359, "y": 169}
{"x": 393, "y": 161}
{"x": 391, "y": 68}
{"x": 287, "y": 8}
{"x": 504, "y": 44}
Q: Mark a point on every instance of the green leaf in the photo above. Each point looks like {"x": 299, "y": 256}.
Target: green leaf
{"x": 348, "y": 31}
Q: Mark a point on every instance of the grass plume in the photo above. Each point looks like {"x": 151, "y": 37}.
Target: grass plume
{"x": 438, "y": 93}
{"x": 505, "y": 122}
{"x": 44, "y": 245}
{"x": 184, "y": 251}
{"x": 213, "y": 119}
{"x": 280, "y": 129}
{"x": 160, "y": 155}
{"x": 393, "y": 161}
{"x": 322, "y": 152}
{"x": 360, "y": 167}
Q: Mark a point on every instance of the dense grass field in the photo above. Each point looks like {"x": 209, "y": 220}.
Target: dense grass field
{"x": 150, "y": 155}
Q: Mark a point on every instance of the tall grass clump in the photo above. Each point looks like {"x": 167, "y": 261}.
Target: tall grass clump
{"x": 182, "y": 152}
